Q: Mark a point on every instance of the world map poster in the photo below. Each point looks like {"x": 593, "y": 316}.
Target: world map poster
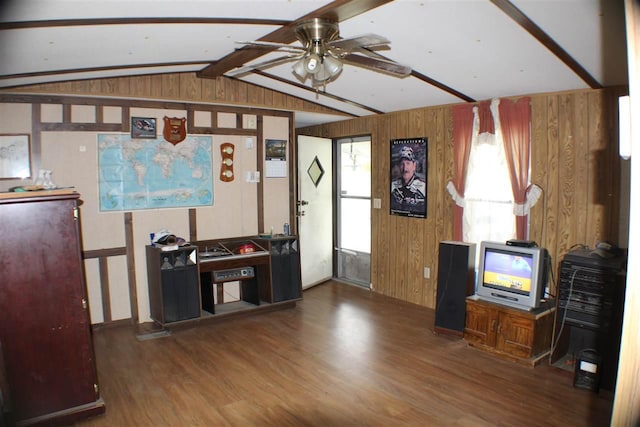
{"x": 151, "y": 174}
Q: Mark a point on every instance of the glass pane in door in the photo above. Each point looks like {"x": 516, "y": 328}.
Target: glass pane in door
{"x": 355, "y": 225}
{"x": 355, "y": 169}
{"x": 354, "y": 211}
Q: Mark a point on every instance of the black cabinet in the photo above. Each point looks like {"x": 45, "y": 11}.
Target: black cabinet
{"x": 174, "y": 287}
{"x": 285, "y": 267}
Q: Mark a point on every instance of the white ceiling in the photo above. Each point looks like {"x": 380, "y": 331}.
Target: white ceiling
{"x": 470, "y": 46}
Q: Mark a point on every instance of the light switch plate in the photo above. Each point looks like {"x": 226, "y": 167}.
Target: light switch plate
{"x": 253, "y": 176}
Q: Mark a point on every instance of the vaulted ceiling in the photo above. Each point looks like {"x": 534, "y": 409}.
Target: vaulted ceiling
{"x": 457, "y": 50}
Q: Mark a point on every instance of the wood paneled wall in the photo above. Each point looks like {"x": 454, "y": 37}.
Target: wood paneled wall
{"x": 182, "y": 87}
{"x": 574, "y": 160}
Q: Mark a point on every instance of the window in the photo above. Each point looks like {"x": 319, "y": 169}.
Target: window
{"x": 488, "y": 209}
{"x": 491, "y": 187}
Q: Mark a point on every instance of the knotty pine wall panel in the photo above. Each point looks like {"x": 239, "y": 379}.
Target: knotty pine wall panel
{"x": 438, "y": 198}
{"x": 418, "y": 232}
{"x": 596, "y": 180}
{"x": 582, "y": 166}
{"x": 380, "y": 218}
{"x": 139, "y": 87}
{"x": 573, "y": 159}
{"x": 566, "y": 174}
{"x": 541, "y": 170}
{"x": 183, "y": 87}
{"x": 406, "y": 229}
{"x": 155, "y": 85}
{"x": 170, "y": 86}
{"x": 190, "y": 87}
{"x": 208, "y": 89}
{"x": 608, "y": 167}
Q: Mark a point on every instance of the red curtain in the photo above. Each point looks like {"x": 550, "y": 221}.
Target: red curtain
{"x": 515, "y": 125}
{"x": 462, "y": 133}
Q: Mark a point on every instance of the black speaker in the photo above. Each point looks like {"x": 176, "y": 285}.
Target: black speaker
{"x": 456, "y": 281}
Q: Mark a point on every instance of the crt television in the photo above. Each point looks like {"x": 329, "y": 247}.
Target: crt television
{"x": 512, "y": 275}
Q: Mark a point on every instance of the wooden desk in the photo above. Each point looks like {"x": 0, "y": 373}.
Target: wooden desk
{"x": 207, "y": 302}
{"x": 253, "y": 289}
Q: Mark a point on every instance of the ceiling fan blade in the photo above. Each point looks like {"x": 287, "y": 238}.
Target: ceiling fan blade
{"x": 366, "y": 40}
{"x": 276, "y": 46}
{"x": 261, "y": 65}
{"x": 372, "y": 52}
{"x": 377, "y": 64}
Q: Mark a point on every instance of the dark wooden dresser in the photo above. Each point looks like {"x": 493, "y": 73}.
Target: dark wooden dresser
{"x": 45, "y": 329}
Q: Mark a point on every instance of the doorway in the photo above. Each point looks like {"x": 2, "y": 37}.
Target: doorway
{"x": 353, "y": 210}
{"x": 315, "y": 209}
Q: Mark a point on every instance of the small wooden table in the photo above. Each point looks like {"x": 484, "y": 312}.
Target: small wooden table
{"x": 523, "y": 336}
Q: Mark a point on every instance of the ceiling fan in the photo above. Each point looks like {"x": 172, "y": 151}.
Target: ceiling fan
{"x": 322, "y": 53}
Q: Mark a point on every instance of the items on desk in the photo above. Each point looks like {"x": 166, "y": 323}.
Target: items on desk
{"x": 247, "y": 248}
{"x": 166, "y": 241}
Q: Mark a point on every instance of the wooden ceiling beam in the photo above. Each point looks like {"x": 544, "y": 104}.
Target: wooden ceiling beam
{"x": 319, "y": 92}
{"x": 523, "y": 20}
{"x": 85, "y": 22}
{"x": 442, "y": 86}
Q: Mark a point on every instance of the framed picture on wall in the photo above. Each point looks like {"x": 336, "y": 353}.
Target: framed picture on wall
{"x": 143, "y": 127}
{"x": 15, "y": 156}
{"x": 409, "y": 177}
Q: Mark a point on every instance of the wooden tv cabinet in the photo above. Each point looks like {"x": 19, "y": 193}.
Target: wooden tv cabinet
{"x": 510, "y": 333}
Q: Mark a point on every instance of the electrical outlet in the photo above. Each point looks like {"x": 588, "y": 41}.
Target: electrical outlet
{"x": 377, "y": 203}
{"x": 427, "y": 272}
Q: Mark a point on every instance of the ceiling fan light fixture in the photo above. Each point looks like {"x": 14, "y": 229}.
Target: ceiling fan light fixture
{"x": 321, "y": 53}
{"x": 312, "y": 63}
{"x": 299, "y": 70}
{"x": 332, "y": 65}
{"x": 329, "y": 70}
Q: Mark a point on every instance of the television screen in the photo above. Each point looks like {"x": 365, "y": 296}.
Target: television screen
{"x": 511, "y": 274}
{"x": 508, "y": 271}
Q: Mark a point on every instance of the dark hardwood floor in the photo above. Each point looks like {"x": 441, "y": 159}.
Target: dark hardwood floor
{"x": 341, "y": 357}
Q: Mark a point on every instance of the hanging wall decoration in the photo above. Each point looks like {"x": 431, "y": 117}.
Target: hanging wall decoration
{"x": 226, "y": 166}
{"x": 275, "y": 154}
{"x": 154, "y": 174}
{"x": 175, "y": 129}
{"x": 409, "y": 177}
{"x": 143, "y": 127}
{"x": 15, "y": 156}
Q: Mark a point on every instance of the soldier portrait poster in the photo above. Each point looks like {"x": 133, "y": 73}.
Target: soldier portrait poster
{"x": 409, "y": 177}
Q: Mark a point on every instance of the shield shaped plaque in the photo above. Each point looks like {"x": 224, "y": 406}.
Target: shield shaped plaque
{"x": 175, "y": 129}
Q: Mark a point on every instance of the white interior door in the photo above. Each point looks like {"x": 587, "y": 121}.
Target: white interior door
{"x": 315, "y": 209}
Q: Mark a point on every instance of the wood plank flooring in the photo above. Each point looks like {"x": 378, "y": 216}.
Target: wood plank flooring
{"x": 342, "y": 357}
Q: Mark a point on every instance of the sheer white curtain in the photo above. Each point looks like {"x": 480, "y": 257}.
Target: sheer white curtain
{"x": 488, "y": 198}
